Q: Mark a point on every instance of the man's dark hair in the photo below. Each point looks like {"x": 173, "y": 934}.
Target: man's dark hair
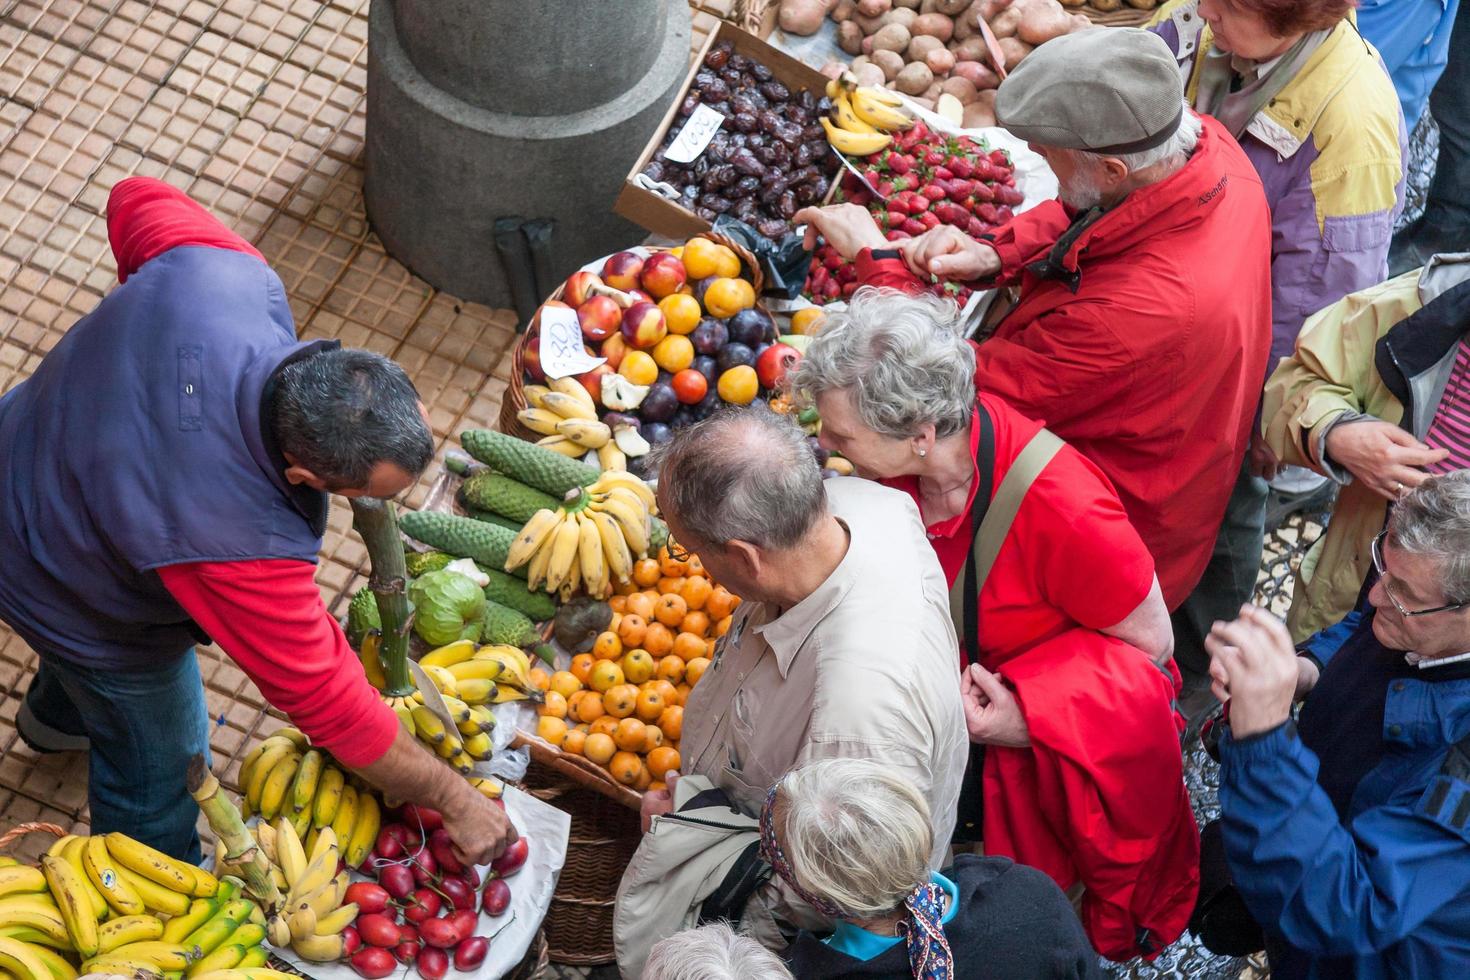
{"x": 341, "y": 412}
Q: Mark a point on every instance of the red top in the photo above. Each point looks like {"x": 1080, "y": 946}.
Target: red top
{"x": 1149, "y": 362}
{"x": 267, "y": 615}
{"x": 1071, "y": 558}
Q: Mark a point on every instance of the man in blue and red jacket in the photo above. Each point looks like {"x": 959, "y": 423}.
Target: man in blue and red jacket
{"x": 166, "y": 481}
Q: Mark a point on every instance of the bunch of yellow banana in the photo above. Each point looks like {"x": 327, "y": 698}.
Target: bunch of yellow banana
{"x": 592, "y": 539}
{"x": 314, "y": 915}
{"x": 863, "y": 116}
{"x": 284, "y": 777}
{"x": 563, "y": 412}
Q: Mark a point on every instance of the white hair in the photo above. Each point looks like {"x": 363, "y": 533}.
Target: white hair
{"x": 856, "y": 834}
{"x": 712, "y": 952}
{"x": 1173, "y": 152}
{"x": 903, "y": 360}
{"x": 1433, "y": 520}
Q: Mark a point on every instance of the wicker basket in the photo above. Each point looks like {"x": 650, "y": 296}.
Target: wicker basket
{"x": 21, "y": 829}
{"x": 604, "y": 835}
{"x": 515, "y": 393}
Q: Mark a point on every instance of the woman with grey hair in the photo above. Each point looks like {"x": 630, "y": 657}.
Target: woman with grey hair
{"x": 712, "y": 952}
{"x": 852, "y": 838}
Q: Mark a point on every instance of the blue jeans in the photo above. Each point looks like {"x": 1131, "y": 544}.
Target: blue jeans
{"x": 144, "y": 726}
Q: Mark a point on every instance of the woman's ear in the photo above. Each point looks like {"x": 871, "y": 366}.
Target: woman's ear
{"x": 923, "y": 441}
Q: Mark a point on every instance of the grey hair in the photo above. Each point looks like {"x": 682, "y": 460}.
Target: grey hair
{"x": 712, "y": 952}
{"x": 1173, "y": 152}
{"x": 856, "y": 833}
{"x": 743, "y": 474}
{"x": 1433, "y": 520}
{"x": 903, "y": 360}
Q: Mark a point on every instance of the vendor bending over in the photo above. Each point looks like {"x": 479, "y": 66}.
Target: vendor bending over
{"x": 165, "y": 482}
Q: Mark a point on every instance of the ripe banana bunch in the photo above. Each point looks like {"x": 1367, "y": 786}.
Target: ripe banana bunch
{"x": 863, "y": 116}
{"x": 593, "y": 538}
{"x": 479, "y": 676}
{"x": 564, "y": 413}
{"x": 285, "y": 776}
{"x": 312, "y": 920}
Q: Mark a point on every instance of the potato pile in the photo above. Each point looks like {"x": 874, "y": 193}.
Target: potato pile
{"x": 924, "y": 48}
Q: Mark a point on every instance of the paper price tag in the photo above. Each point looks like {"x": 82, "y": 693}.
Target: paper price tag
{"x": 562, "y": 350}
{"x": 703, "y": 123}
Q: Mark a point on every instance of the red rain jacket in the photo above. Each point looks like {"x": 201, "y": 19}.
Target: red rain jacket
{"x": 1147, "y": 349}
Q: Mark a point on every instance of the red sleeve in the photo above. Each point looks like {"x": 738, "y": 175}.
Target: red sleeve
{"x": 268, "y": 616}
{"x": 146, "y": 217}
{"x": 1028, "y": 237}
{"x": 889, "y": 273}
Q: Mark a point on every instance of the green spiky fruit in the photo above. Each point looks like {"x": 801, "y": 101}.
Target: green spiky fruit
{"x": 528, "y": 463}
{"x": 505, "y": 625}
{"x": 362, "y": 616}
{"x": 501, "y": 495}
{"x": 422, "y": 562}
{"x": 463, "y": 537}
{"x": 507, "y": 590}
{"x": 490, "y": 517}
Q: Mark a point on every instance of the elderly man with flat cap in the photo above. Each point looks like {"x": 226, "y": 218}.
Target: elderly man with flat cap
{"x": 1143, "y": 319}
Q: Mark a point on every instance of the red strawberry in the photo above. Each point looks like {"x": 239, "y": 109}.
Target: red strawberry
{"x": 895, "y": 235}
{"x": 960, "y": 167}
{"x": 914, "y": 226}
{"x": 943, "y": 173}
{"x": 847, "y": 273}
{"x": 1003, "y": 214}
{"x": 1000, "y": 158}
{"x": 984, "y": 170}
{"x": 1009, "y": 196}
{"x": 848, "y": 288}
{"x": 982, "y": 192}
{"x": 988, "y": 214}
{"x": 933, "y": 157}
{"x": 830, "y": 289}
{"x": 976, "y": 227}
{"x": 832, "y": 260}
{"x": 884, "y": 188}
{"x": 933, "y": 191}
{"x": 894, "y": 218}
{"x": 899, "y": 163}
{"x": 861, "y": 198}
{"x": 929, "y": 220}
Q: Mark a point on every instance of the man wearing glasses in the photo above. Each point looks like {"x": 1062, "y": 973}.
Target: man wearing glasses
{"x": 1348, "y": 832}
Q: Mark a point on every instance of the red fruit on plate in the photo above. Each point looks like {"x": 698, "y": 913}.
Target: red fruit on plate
{"x": 621, "y": 270}
{"x": 442, "y": 847}
{"x": 432, "y": 963}
{"x": 663, "y": 275}
{"x": 378, "y": 930}
{"x": 425, "y": 905}
{"x": 644, "y": 325}
{"x": 439, "y": 933}
{"x": 614, "y": 347}
{"x": 913, "y": 226}
{"x": 512, "y": 859}
{"x": 774, "y": 362}
{"x": 425, "y": 868}
{"x": 578, "y": 290}
{"x": 373, "y": 963}
{"x": 600, "y": 317}
{"x": 369, "y": 897}
{"x": 396, "y": 879}
{"x": 897, "y": 236}
{"x": 496, "y": 898}
{"x": 390, "y": 844}
{"x": 407, "y": 952}
{"x": 351, "y": 941}
{"x": 469, "y": 954}
{"x": 408, "y": 933}
{"x": 422, "y": 819}
{"x": 459, "y": 893}
{"x": 464, "y": 921}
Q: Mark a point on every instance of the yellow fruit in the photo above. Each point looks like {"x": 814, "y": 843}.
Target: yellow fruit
{"x": 662, "y": 760}
{"x": 727, "y": 263}
{"x": 701, "y": 258}
{"x": 694, "y": 670}
{"x": 565, "y": 684}
{"x": 540, "y": 679}
{"x": 605, "y": 674}
{"x": 638, "y": 666}
{"x": 607, "y": 646}
{"x": 681, "y": 313}
{"x": 606, "y": 725}
{"x": 807, "y": 320}
{"x": 739, "y": 385}
{"x": 674, "y": 353}
{"x": 629, "y": 735}
{"x": 620, "y": 700}
{"x": 599, "y": 748}
{"x": 639, "y": 367}
{"x": 590, "y": 707}
{"x": 553, "y": 730}
{"x": 626, "y": 768}
{"x": 555, "y": 706}
{"x": 574, "y": 742}
{"x": 727, "y": 296}
{"x": 651, "y": 704}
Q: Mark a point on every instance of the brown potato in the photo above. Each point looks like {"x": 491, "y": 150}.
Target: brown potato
{"x": 894, "y": 37}
{"x": 870, "y": 25}
{"x": 989, "y": 8}
{"x": 961, "y": 88}
{"x": 1106, "y": 6}
{"x": 979, "y": 114}
{"x": 834, "y": 69}
{"x": 953, "y": 7}
{"x": 873, "y": 8}
{"x": 869, "y": 74}
{"x": 844, "y": 11}
{"x": 940, "y": 61}
{"x": 890, "y": 61}
{"x": 920, "y": 47}
{"x": 979, "y": 75}
{"x": 908, "y": 4}
{"x": 1014, "y": 49}
{"x": 970, "y": 49}
{"x": 934, "y": 25}
{"x": 932, "y": 92}
{"x": 1043, "y": 20}
{"x": 914, "y": 78}
{"x": 850, "y": 37}
{"x": 1006, "y": 22}
{"x": 802, "y": 16}
{"x": 899, "y": 15}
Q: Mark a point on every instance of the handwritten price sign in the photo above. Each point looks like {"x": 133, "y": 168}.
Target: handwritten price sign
{"x": 703, "y": 123}
{"x": 562, "y": 350}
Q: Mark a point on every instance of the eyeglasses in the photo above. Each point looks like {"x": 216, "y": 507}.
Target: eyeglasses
{"x": 1378, "y": 566}
{"x": 677, "y": 552}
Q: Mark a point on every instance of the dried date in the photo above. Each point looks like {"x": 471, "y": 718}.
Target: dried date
{"x": 747, "y": 122}
{"x": 718, "y": 56}
{"x": 787, "y": 205}
{"x": 746, "y": 162}
{"x": 761, "y": 72}
{"x": 654, "y": 170}
{"x": 739, "y": 62}
{"x": 716, "y": 203}
{"x": 705, "y": 214}
{"x": 775, "y": 91}
{"x": 774, "y": 228}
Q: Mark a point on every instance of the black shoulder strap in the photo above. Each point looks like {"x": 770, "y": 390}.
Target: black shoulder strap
{"x": 985, "y": 474}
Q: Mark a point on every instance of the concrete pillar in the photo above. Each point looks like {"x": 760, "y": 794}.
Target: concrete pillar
{"x": 480, "y": 109}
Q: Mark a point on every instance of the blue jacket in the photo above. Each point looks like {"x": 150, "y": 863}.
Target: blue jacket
{"x": 1413, "y": 36}
{"x": 1384, "y": 889}
{"x": 140, "y": 442}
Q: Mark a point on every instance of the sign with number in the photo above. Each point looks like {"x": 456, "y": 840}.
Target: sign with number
{"x": 562, "y": 348}
{"x": 703, "y": 123}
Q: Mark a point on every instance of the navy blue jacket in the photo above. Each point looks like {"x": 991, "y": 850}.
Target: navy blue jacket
{"x": 140, "y": 442}
{"x": 1382, "y": 889}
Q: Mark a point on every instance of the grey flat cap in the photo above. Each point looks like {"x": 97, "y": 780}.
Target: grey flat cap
{"x": 1109, "y": 90}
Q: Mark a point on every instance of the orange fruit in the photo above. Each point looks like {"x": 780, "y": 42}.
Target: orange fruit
{"x": 737, "y": 386}
{"x": 653, "y": 738}
{"x": 681, "y": 313}
{"x": 646, "y": 571}
{"x": 605, "y": 674}
{"x": 723, "y": 626}
{"x": 631, "y": 630}
{"x": 555, "y": 706}
{"x": 697, "y": 622}
{"x": 662, "y": 760}
{"x": 552, "y": 729}
{"x": 638, "y": 666}
{"x": 616, "y": 605}
{"x": 720, "y": 604}
{"x": 621, "y": 700}
{"x": 695, "y": 592}
{"x": 540, "y": 678}
{"x": 607, "y": 646}
{"x": 645, "y": 780}
{"x": 727, "y": 263}
{"x": 566, "y": 683}
{"x": 640, "y": 604}
{"x": 807, "y": 321}
{"x": 671, "y": 669}
{"x": 671, "y": 567}
{"x": 651, "y": 703}
{"x": 590, "y": 707}
{"x": 671, "y": 722}
{"x": 626, "y": 767}
{"x": 687, "y": 646}
{"x": 599, "y": 748}
{"x": 582, "y": 667}
{"x": 683, "y": 690}
{"x": 605, "y": 725}
{"x": 701, "y": 258}
{"x": 695, "y": 669}
{"x": 727, "y": 296}
{"x": 629, "y": 735}
{"x": 696, "y": 567}
{"x": 674, "y": 353}
{"x": 671, "y": 610}
{"x": 670, "y": 585}
{"x": 658, "y": 639}
{"x": 666, "y": 691}
{"x": 621, "y": 589}
{"x": 639, "y": 367}
{"x": 574, "y": 742}
{"x": 657, "y": 785}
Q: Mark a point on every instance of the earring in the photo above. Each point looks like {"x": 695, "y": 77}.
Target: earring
{"x": 923, "y": 452}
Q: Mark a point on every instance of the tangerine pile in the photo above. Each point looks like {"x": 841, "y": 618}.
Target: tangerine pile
{"x": 622, "y": 704}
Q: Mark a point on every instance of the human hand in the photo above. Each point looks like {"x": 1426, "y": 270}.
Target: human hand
{"x": 848, "y": 228}
{"x": 479, "y": 828}
{"x": 949, "y": 254}
{"x": 657, "y": 802}
{"x": 1383, "y": 457}
{"x": 992, "y": 713}
{"x": 1254, "y": 666}
{"x": 1307, "y": 675}
{"x": 1262, "y": 461}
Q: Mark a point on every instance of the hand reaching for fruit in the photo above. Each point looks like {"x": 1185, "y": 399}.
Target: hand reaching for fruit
{"x": 948, "y": 254}
{"x": 847, "y": 227}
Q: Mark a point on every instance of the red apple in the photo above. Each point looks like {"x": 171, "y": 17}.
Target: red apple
{"x": 774, "y": 362}
{"x": 592, "y": 381}
{"x": 613, "y": 348}
{"x": 644, "y": 325}
{"x": 531, "y": 359}
{"x": 600, "y": 317}
{"x": 578, "y": 288}
{"x": 639, "y": 296}
{"x": 622, "y": 269}
{"x": 662, "y": 275}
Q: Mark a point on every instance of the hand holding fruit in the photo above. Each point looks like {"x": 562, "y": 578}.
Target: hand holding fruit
{"x": 949, "y": 254}
{"x": 479, "y": 828}
{"x": 848, "y": 228}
